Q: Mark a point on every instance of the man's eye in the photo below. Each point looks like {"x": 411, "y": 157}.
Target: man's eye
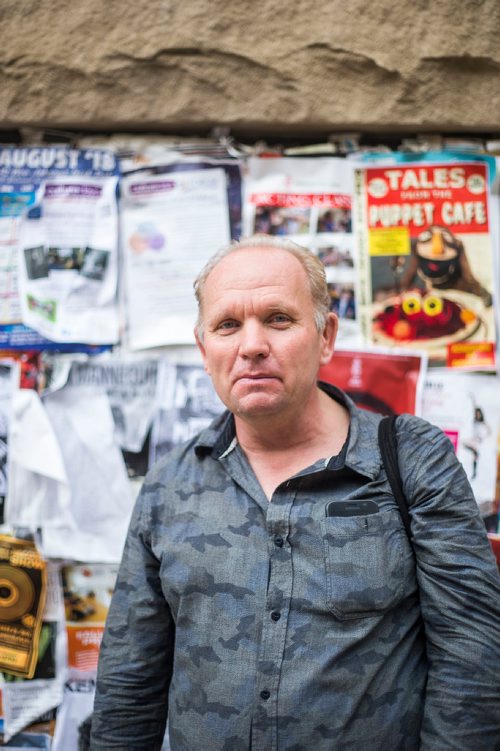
{"x": 279, "y": 318}
{"x": 227, "y": 325}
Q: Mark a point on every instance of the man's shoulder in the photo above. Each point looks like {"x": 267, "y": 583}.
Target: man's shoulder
{"x": 426, "y": 458}
{"x": 417, "y": 442}
{"x": 418, "y": 433}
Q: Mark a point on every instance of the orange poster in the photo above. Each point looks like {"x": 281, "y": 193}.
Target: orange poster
{"x": 87, "y": 594}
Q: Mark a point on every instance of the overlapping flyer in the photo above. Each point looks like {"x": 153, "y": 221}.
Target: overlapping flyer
{"x": 309, "y": 201}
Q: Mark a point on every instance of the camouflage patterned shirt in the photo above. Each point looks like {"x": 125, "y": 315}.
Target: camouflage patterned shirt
{"x": 272, "y": 626}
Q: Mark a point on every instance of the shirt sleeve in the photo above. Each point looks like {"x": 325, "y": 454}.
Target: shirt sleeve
{"x": 459, "y": 595}
{"x": 135, "y": 661}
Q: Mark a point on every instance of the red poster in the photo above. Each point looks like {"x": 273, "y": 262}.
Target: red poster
{"x": 389, "y": 383}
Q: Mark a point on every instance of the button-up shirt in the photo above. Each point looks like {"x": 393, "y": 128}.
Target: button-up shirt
{"x": 284, "y": 626}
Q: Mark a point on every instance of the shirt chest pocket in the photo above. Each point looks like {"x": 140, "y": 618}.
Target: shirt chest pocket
{"x": 367, "y": 562}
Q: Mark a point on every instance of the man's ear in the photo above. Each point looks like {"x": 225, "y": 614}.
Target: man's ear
{"x": 201, "y": 347}
{"x": 328, "y": 338}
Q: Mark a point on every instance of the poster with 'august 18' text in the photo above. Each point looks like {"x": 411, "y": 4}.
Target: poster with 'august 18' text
{"x": 58, "y": 246}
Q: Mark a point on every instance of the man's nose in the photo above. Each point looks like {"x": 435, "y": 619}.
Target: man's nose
{"x": 253, "y": 340}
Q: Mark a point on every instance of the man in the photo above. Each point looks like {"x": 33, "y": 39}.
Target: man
{"x": 252, "y": 603}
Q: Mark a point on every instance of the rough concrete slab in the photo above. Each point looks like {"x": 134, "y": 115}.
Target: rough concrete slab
{"x": 307, "y": 66}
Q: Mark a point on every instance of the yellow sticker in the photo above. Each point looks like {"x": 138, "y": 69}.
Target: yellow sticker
{"x": 13, "y": 658}
{"x": 394, "y": 241}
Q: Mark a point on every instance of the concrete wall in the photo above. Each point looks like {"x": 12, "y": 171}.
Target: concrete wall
{"x": 258, "y": 67}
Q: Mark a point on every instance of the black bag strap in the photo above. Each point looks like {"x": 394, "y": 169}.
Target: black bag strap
{"x": 388, "y": 445}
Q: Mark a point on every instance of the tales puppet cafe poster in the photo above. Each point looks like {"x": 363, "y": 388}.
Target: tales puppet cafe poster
{"x": 426, "y": 260}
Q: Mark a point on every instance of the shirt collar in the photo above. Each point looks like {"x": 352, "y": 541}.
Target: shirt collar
{"x": 217, "y": 437}
{"x": 362, "y": 453}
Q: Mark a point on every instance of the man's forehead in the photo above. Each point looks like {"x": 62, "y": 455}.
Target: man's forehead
{"x": 247, "y": 266}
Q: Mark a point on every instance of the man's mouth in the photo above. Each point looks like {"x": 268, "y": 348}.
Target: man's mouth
{"x": 254, "y": 377}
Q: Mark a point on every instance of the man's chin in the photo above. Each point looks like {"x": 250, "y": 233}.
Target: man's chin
{"x": 257, "y": 405}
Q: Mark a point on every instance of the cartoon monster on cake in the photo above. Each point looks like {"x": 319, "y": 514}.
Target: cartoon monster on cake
{"x": 419, "y": 316}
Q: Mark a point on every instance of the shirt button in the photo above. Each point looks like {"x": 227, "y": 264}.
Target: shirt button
{"x": 278, "y": 541}
{"x": 265, "y": 694}
{"x": 275, "y": 615}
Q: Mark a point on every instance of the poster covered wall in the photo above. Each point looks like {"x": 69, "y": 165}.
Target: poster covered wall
{"x": 408, "y": 249}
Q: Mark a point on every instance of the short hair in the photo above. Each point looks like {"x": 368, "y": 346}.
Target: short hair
{"x": 311, "y": 264}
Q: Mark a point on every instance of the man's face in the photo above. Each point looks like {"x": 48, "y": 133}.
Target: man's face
{"x": 261, "y": 345}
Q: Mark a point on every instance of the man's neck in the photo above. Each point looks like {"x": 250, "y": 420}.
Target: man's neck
{"x": 278, "y": 447}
